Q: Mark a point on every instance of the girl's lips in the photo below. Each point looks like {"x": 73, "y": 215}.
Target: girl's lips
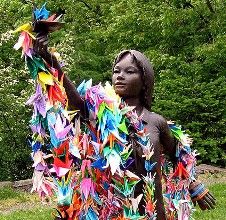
{"x": 119, "y": 84}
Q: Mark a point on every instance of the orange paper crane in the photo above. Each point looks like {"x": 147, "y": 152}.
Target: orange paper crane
{"x": 74, "y": 209}
{"x": 62, "y": 149}
{"x": 55, "y": 93}
{"x": 61, "y": 167}
{"x": 181, "y": 172}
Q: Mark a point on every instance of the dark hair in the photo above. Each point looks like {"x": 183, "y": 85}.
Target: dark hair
{"x": 147, "y": 73}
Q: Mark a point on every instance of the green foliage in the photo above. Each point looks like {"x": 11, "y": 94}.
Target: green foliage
{"x": 14, "y": 89}
{"x": 185, "y": 41}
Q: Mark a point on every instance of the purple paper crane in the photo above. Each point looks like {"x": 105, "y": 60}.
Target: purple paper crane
{"x": 39, "y": 102}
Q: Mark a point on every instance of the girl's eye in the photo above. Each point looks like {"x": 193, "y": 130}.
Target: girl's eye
{"x": 130, "y": 72}
{"x": 116, "y": 71}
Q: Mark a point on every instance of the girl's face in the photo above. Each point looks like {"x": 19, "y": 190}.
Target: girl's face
{"x": 127, "y": 78}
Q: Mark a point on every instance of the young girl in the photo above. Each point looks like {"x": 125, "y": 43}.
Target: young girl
{"x": 133, "y": 81}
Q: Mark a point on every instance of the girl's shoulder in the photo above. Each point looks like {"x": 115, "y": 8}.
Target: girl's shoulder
{"x": 152, "y": 117}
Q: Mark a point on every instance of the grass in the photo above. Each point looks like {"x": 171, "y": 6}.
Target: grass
{"x": 10, "y": 197}
{"x": 16, "y": 205}
{"x": 219, "y": 213}
{"x": 33, "y": 214}
{"x": 9, "y": 193}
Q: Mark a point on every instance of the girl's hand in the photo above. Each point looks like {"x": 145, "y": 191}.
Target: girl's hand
{"x": 40, "y": 45}
{"x": 202, "y": 196}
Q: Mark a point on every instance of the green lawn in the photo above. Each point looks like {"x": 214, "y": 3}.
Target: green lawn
{"x": 33, "y": 214}
{"x": 24, "y": 206}
{"x": 15, "y": 205}
{"x": 219, "y": 213}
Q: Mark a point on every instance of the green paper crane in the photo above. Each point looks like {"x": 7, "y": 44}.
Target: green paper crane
{"x": 34, "y": 65}
{"x": 126, "y": 188}
{"x": 130, "y": 214}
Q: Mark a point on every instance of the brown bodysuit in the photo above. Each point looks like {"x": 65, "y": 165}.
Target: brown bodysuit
{"x": 163, "y": 142}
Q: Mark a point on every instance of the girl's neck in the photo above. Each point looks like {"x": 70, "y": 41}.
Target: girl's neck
{"x": 135, "y": 102}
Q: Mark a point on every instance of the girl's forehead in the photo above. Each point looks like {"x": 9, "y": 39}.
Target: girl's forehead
{"x": 126, "y": 61}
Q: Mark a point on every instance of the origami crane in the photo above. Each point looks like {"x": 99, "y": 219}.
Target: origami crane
{"x": 39, "y": 102}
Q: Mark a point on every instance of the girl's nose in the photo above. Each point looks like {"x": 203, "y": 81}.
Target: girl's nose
{"x": 120, "y": 75}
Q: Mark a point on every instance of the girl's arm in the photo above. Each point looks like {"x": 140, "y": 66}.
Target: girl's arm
{"x": 75, "y": 101}
{"x": 168, "y": 141}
